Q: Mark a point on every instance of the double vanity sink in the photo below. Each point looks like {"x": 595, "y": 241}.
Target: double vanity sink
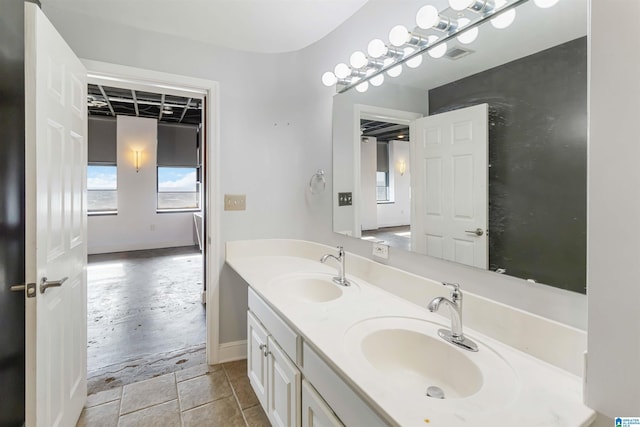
{"x": 388, "y": 351}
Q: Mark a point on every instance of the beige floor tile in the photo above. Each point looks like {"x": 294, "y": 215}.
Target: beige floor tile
{"x": 105, "y": 415}
{"x": 196, "y": 371}
{"x": 236, "y": 369}
{"x": 256, "y": 417}
{"x": 203, "y": 389}
{"x": 221, "y": 413}
{"x": 166, "y": 415}
{"x": 147, "y": 393}
{"x": 244, "y": 392}
{"x": 103, "y": 397}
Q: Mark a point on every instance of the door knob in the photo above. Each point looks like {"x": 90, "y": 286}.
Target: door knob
{"x": 46, "y": 284}
{"x": 478, "y": 232}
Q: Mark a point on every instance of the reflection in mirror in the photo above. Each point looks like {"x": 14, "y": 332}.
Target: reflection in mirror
{"x": 478, "y": 157}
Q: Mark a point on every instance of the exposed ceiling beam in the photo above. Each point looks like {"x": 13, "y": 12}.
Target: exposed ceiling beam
{"x": 106, "y": 98}
{"x": 135, "y": 102}
{"x": 186, "y": 107}
{"x": 161, "y": 107}
{"x": 385, "y": 130}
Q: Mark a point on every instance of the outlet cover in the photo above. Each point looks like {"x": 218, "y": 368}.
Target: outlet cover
{"x": 235, "y": 202}
{"x": 380, "y": 250}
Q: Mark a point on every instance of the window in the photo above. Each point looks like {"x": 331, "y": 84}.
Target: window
{"x": 382, "y": 186}
{"x": 178, "y": 188}
{"x": 102, "y": 189}
{"x": 382, "y": 172}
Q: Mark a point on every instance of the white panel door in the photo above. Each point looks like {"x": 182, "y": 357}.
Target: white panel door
{"x": 315, "y": 412}
{"x": 284, "y": 389}
{"x": 449, "y": 186}
{"x": 256, "y": 358}
{"x": 56, "y": 250}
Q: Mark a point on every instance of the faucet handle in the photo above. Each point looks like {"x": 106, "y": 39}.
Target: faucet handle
{"x": 455, "y": 290}
{"x": 340, "y": 251}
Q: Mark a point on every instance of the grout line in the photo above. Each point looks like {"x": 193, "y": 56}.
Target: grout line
{"x": 235, "y": 395}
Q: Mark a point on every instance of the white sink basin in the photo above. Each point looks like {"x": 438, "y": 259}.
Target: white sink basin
{"x": 313, "y": 287}
{"x": 409, "y": 357}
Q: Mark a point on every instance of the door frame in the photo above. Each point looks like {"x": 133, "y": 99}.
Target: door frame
{"x": 114, "y": 74}
{"x": 382, "y": 114}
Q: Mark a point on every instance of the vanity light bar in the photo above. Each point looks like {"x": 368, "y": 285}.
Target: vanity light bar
{"x": 407, "y": 46}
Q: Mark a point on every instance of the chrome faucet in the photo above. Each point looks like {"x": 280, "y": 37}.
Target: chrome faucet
{"x": 340, "y": 279}
{"x": 455, "y": 335}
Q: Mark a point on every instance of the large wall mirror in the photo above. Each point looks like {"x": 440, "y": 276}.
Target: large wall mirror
{"x": 477, "y": 157}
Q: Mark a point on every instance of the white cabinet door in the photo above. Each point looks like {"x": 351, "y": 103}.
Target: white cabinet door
{"x": 284, "y": 389}
{"x": 56, "y": 247}
{"x": 315, "y": 412}
{"x": 256, "y": 358}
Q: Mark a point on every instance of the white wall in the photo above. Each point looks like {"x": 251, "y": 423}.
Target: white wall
{"x": 367, "y": 199}
{"x": 137, "y": 224}
{"x": 398, "y": 212}
{"x": 613, "y": 374}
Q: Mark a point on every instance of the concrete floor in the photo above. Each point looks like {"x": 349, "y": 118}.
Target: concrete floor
{"x": 145, "y": 315}
{"x": 397, "y": 237}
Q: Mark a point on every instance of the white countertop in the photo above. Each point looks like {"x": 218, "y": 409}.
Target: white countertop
{"x": 531, "y": 393}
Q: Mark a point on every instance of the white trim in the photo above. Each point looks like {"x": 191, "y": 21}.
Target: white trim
{"x": 230, "y": 351}
{"x": 108, "y": 249}
{"x": 371, "y": 112}
{"x": 130, "y": 77}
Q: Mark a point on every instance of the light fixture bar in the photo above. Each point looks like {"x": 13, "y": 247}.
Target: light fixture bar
{"x": 340, "y": 88}
{"x": 186, "y": 108}
{"x": 135, "y": 102}
{"x": 161, "y": 106}
{"x": 106, "y": 98}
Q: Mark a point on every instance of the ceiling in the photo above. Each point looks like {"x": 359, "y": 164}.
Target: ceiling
{"x": 264, "y": 26}
{"x": 384, "y": 131}
{"x": 105, "y": 101}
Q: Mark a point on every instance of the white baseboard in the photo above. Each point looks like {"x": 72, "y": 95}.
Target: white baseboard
{"x": 230, "y": 351}
{"x": 105, "y": 249}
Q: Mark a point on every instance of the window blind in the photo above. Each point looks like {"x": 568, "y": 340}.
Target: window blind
{"x": 177, "y": 145}
{"x": 102, "y": 141}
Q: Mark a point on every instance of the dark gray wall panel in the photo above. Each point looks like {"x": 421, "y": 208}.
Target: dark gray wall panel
{"x": 12, "y": 215}
{"x": 538, "y": 157}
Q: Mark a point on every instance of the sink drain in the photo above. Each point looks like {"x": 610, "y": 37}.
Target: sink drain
{"x": 435, "y": 392}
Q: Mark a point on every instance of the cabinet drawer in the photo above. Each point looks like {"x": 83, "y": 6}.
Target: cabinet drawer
{"x": 281, "y": 332}
{"x": 347, "y": 405}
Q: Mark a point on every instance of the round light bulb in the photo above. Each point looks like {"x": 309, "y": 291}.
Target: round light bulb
{"x": 414, "y": 62}
{"x": 342, "y": 70}
{"x": 395, "y": 71}
{"x": 376, "y": 48}
{"x": 362, "y": 87}
{"x": 505, "y": 19}
{"x": 329, "y": 79}
{"x": 358, "y": 59}
{"x": 543, "y": 4}
{"x": 377, "y": 80}
{"x": 427, "y": 17}
{"x": 460, "y": 4}
{"x": 399, "y": 35}
{"x": 468, "y": 36}
{"x": 438, "y": 51}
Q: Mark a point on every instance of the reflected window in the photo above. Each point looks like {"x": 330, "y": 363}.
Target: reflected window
{"x": 178, "y": 188}
{"x": 102, "y": 189}
{"x": 382, "y": 186}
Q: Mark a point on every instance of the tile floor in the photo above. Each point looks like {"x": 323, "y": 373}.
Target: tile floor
{"x": 216, "y": 396}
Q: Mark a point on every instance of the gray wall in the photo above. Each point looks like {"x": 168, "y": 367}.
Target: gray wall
{"x": 12, "y": 215}
{"x": 538, "y": 158}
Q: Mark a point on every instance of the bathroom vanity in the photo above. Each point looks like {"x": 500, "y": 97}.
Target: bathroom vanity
{"x": 366, "y": 354}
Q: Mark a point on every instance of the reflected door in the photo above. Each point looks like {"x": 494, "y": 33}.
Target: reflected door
{"x": 449, "y": 185}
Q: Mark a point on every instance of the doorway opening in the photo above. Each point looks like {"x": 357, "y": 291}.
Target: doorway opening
{"x": 147, "y": 204}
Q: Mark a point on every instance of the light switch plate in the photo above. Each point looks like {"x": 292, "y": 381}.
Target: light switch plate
{"x": 380, "y": 250}
{"x": 235, "y": 202}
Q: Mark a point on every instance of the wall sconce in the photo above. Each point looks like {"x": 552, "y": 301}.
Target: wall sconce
{"x": 402, "y": 167}
{"x": 137, "y": 157}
